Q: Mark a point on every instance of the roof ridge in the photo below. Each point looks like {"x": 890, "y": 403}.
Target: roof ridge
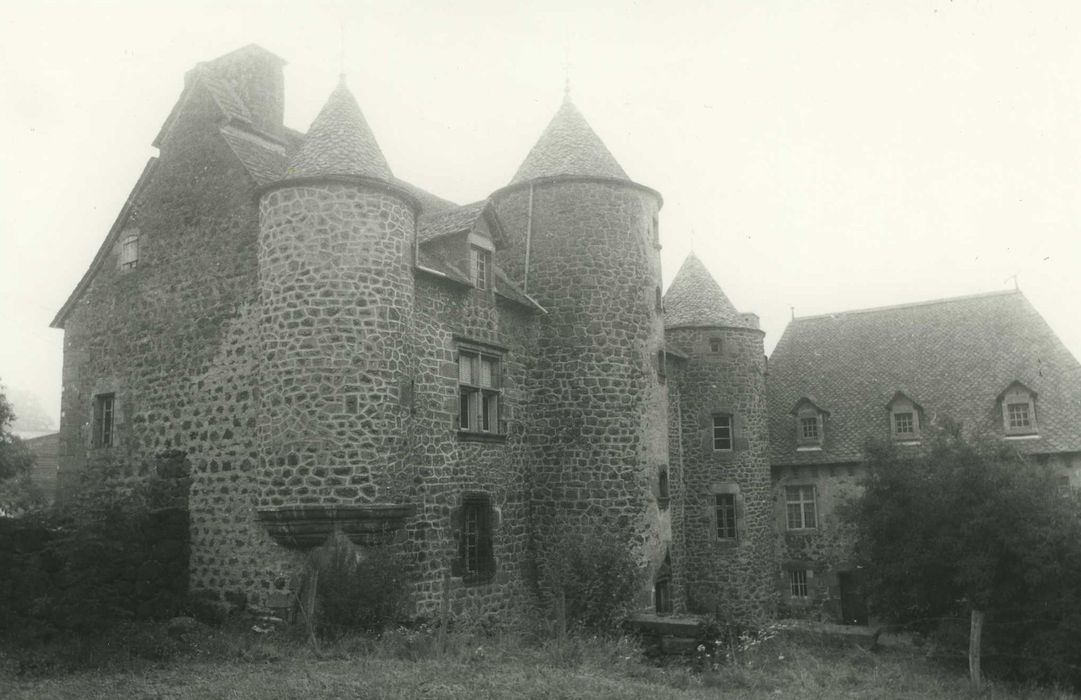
{"x": 909, "y": 305}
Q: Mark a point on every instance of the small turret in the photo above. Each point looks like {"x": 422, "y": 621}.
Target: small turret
{"x": 336, "y": 290}
{"x": 584, "y": 242}
{"x": 724, "y": 539}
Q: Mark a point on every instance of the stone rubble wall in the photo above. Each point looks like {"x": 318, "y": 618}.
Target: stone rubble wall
{"x": 734, "y": 579}
{"x": 597, "y": 402}
{"x": 336, "y": 345}
{"x": 175, "y": 341}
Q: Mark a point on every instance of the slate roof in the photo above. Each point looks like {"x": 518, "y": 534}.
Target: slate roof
{"x": 444, "y": 222}
{"x": 695, "y": 299}
{"x": 953, "y": 357}
{"x": 263, "y": 159}
{"x": 569, "y": 146}
{"x": 339, "y": 142}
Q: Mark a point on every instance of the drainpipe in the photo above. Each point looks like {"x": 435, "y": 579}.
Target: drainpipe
{"x": 528, "y": 239}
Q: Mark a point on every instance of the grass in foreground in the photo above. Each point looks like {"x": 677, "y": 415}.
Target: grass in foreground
{"x": 146, "y": 663}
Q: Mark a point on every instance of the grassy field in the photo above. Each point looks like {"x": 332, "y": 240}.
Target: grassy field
{"x": 148, "y": 664}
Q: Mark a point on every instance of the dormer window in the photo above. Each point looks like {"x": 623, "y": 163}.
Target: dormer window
{"x": 810, "y": 424}
{"x": 904, "y": 418}
{"x": 1018, "y": 404}
{"x": 480, "y": 263}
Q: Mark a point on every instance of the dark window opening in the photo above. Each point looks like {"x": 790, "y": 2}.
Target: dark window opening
{"x": 103, "y": 420}
{"x": 662, "y": 486}
{"x": 797, "y": 583}
{"x": 662, "y": 362}
{"x": 662, "y": 596}
{"x": 716, "y": 345}
{"x": 808, "y": 426}
{"x": 475, "y": 557}
{"x": 726, "y": 516}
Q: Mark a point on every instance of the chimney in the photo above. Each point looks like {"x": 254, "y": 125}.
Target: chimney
{"x": 256, "y": 76}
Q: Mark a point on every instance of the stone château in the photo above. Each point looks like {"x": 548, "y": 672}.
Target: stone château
{"x": 332, "y": 347}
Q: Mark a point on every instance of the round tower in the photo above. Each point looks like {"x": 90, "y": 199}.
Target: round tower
{"x": 725, "y": 535}
{"x": 336, "y": 290}
{"x": 585, "y": 247}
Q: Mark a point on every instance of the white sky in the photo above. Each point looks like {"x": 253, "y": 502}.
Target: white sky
{"x": 828, "y": 155}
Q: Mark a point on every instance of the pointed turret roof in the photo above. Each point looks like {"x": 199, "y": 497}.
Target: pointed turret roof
{"x": 569, "y": 146}
{"x": 339, "y": 142}
{"x": 695, "y": 299}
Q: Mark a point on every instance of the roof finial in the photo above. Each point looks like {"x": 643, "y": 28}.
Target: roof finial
{"x": 566, "y": 75}
{"x": 692, "y": 240}
{"x": 341, "y": 51}
{"x": 792, "y": 309}
{"x": 1013, "y": 277}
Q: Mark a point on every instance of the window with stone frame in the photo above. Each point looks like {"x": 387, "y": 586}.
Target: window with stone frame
{"x": 1018, "y": 410}
{"x": 722, "y": 433}
{"x": 479, "y": 391}
{"x": 129, "y": 250}
{"x": 480, "y": 265}
{"x": 104, "y": 420}
{"x": 808, "y": 429}
{"x": 716, "y": 345}
{"x": 801, "y": 507}
{"x": 474, "y": 521}
{"x": 662, "y": 487}
{"x": 797, "y": 583}
{"x": 725, "y": 512}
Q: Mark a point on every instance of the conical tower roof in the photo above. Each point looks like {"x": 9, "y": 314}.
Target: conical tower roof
{"x": 339, "y": 142}
{"x": 695, "y": 299}
{"x": 569, "y": 146}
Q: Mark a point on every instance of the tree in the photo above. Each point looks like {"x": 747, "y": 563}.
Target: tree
{"x": 971, "y": 527}
{"x": 17, "y": 492}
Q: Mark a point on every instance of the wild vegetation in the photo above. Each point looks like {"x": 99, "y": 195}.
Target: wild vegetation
{"x": 18, "y": 494}
{"x": 972, "y": 542}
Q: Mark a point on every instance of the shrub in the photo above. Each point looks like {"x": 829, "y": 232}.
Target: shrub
{"x": 586, "y": 569}
{"x": 356, "y": 589}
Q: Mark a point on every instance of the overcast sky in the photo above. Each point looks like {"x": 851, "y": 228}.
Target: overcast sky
{"x": 826, "y": 156}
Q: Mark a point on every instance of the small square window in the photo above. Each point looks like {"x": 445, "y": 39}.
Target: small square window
{"x": 722, "y": 433}
{"x": 808, "y": 426}
{"x": 104, "y": 418}
{"x": 726, "y": 516}
{"x": 716, "y": 345}
{"x": 481, "y": 267}
{"x": 662, "y": 484}
{"x": 797, "y": 583}
{"x": 904, "y": 424}
{"x": 1018, "y": 416}
{"x": 800, "y": 507}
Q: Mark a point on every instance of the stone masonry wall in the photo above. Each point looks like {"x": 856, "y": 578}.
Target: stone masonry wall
{"x": 448, "y": 464}
{"x": 597, "y": 402}
{"x": 336, "y": 286}
{"x": 734, "y": 578}
{"x": 177, "y": 350}
{"x": 823, "y": 551}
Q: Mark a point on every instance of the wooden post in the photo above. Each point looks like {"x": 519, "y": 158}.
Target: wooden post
{"x": 974, "y": 647}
